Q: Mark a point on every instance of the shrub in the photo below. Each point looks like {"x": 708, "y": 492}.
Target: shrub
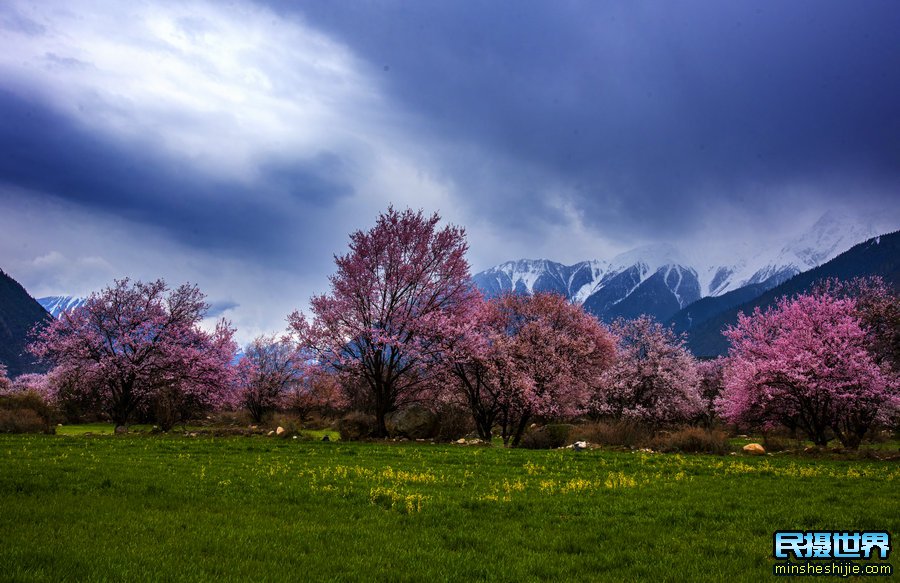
{"x": 693, "y": 440}
{"x": 22, "y": 421}
{"x": 355, "y": 426}
{"x": 238, "y": 418}
{"x": 774, "y": 443}
{"x": 25, "y": 413}
{"x": 454, "y": 423}
{"x": 622, "y": 432}
{"x": 547, "y": 437}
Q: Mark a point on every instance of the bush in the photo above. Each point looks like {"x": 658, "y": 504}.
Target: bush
{"x": 773, "y": 443}
{"x": 622, "y": 432}
{"x": 238, "y": 418}
{"x": 25, "y": 413}
{"x": 454, "y": 423}
{"x": 547, "y": 437}
{"x": 693, "y": 440}
{"x": 355, "y": 426}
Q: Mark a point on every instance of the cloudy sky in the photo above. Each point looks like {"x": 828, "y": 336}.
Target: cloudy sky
{"x": 237, "y": 144}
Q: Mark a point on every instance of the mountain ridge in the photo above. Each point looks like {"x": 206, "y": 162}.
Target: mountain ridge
{"x": 661, "y": 281}
{"x": 879, "y": 256}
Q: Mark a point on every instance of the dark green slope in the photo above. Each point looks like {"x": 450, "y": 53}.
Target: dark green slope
{"x": 19, "y": 314}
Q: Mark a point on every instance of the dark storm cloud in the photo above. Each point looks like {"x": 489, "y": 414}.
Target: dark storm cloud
{"x": 44, "y": 152}
{"x": 646, "y": 111}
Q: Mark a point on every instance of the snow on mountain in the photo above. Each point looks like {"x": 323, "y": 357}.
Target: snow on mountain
{"x": 827, "y": 238}
{"x": 537, "y": 275}
{"x": 660, "y": 280}
{"x": 56, "y": 305}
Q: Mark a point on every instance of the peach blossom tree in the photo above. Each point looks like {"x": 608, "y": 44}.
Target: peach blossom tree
{"x": 525, "y": 357}
{"x": 807, "y": 362}
{"x": 393, "y": 297}
{"x": 136, "y": 346}
{"x": 654, "y": 379}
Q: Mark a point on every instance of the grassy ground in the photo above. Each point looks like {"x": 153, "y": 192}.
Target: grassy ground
{"x": 142, "y": 507}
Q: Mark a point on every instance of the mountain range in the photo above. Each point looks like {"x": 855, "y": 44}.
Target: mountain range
{"x": 704, "y": 320}
{"x": 661, "y": 281}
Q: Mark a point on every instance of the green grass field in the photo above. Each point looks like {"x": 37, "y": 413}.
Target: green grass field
{"x": 141, "y": 507}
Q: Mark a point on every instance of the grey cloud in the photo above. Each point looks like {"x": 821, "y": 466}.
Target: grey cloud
{"x": 44, "y": 152}
{"x": 55, "y": 60}
{"x": 12, "y": 20}
{"x": 648, "y": 110}
{"x": 217, "y": 308}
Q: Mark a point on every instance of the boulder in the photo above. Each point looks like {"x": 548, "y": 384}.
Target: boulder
{"x": 279, "y": 430}
{"x": 121, "y": 430}
{"x": 413, "y": 423}
{"x": 580, "y": 445}
{"x": 754, "y": 449}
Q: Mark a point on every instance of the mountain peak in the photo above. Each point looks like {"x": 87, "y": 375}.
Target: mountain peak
{"x": 659, "y": 279}
{"x": 57, "y": 305}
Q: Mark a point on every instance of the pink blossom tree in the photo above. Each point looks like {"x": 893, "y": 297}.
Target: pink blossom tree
{"x": 654, "y": 379}
{"x": 521, "y": 357}
{"x": 34, "y": 383}
{"x": 134, "y": 346}
{"x": 878, "y": 309}
{"x": 391, "y": 301}
{"x": 807, "y": 363}
{"x": 270, "y": 369}
{"x": 318, "y": 390}
{"x": 711, "y": 375}
{"x": 479, "y": 366}
{"x": 4, "y": 380}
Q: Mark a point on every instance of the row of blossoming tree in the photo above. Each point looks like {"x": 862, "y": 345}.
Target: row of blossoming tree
{"x": 404, "y": 325}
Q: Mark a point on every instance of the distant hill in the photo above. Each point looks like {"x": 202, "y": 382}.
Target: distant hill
{"x": 19, "y": 314}
{"x": 877, "y": 256}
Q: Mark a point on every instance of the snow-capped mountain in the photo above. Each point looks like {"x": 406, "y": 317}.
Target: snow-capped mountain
{"x": 651, "y": 279}
{"x": 831, "y": 235}
{"x": 659, "y": 280}
{"x": 538, "y": 275}
{"x": 56, "y": 305}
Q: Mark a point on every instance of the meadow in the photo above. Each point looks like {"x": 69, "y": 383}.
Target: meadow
{"x": 141, "y": 507}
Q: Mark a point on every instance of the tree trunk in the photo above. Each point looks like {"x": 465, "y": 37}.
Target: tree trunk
{"x": 381, "y": 412}
{"x": 484, "y": 428}
{"x": 520, "y": 430}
